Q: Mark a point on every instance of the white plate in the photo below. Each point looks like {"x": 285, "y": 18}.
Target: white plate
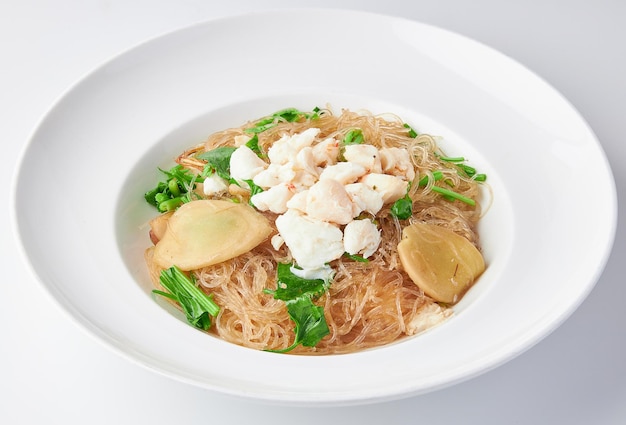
{"x": 80, "y": 214}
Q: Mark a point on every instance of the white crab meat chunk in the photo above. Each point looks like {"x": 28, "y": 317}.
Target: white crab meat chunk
{"x": 287, "y": 147}
{"x": 312, "y": 243}
{"x": 303, "y": 180}
{"x": 305, "y": 161}
{"x": 365, "y": 155}
{"x": 396, "y": 161}
{"x": 327, "y": 200}
{"x": 391, "y": 188}
{"x": 364, "y": 198}
{"x": 275, "y": 174}
{"x": 307, "y": 172}
{"x": 361, "y": 237}
{"x": 343, "y": 172}
{"x": 214, "y": 185}
{"x": 245, "y": 164}
{"x": 326, "y": 152}
{"x": 274, "y": 199}
{"x": 298, "y": 201}
{"x": 427, "y": 317}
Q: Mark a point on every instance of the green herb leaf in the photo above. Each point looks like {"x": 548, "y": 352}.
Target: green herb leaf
{"x": 219, "y": 160}
{"x": 298, "y": 294}
{"x": 316, "y": 114}
{"x": 253, "y": 144}
{"x": 310, "y": 322}
{"x": 254, "y": 189}
{"x": 402, "y": 208}
{"x": 291, "y": 286}
{"x": 151, "y": 195}
{"x": 353, "y": 137}
{"x": 197, "y": 306}
{"x": 284, "y": 115}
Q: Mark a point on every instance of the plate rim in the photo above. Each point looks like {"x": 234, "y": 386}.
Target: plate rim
{"x": 104, "y": 340}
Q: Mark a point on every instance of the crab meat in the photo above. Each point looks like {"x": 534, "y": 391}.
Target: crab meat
{"x": 396, "y": 161}
{"x": 361, "y": 237}
{"x": 274, "y": 199}
{"x": 312, "y": 243}
{"x": 326, "y": 152}
{"x": 343, "y": 172}
{"x": 275, "y": 174}
{"x": 287, "y": 147}
{"x": 365, "y": 155}
{"x": 245, "y": 164}
{"x": 364, "y": 198}
{"x": 214, "y": 185}
{"x": 327, "y": 200}
{"x": 390, "y": 188}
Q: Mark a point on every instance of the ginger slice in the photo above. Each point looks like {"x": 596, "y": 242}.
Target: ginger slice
{"x": 442, "y": 263}
{"x": 205, "y": 232}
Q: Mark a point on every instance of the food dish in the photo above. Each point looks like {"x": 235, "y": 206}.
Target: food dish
{"x": 103, "y": 138}
{"x": 316, "y": 232}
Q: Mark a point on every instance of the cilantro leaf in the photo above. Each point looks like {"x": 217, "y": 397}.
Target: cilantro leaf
{"x": 311, "y": 325}
{"x": 291, "y": 286}
{"x": 298, "y": 294}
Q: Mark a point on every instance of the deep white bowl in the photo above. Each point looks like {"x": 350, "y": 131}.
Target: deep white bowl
{"x": 546, "y": 236}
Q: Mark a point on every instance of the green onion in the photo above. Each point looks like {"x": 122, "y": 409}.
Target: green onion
{"x": 452, "y": 195}
{"x": 412, "y": 132}
{"x": 437, "y": 175}
{"x": 353, "y": 137}
{"x": 451, "y": 158}
{"x": 176, "y": 190}
{"x": 197, "y": 306}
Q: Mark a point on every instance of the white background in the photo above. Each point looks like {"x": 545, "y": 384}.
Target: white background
{"x": 52, "y": 372}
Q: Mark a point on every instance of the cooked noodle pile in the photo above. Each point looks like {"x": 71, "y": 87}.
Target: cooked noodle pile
{"x": 368, "y": 304}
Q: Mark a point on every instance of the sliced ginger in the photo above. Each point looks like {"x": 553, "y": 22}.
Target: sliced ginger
{"x": 442, "y": 263}
{"x": 158, "y": 226}
{"x": 205, "y": 232}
